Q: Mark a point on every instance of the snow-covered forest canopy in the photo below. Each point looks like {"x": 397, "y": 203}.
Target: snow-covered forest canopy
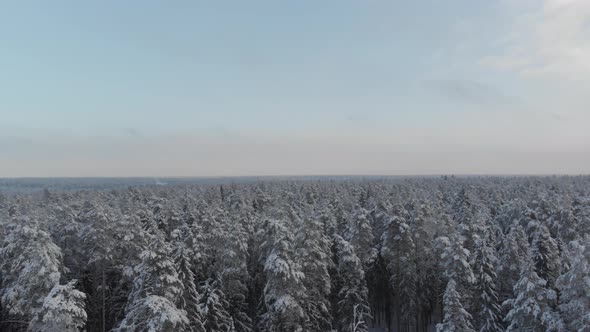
{"x": 405, "y": 254}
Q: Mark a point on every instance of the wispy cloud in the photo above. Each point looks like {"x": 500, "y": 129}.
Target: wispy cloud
{"x": 471, "y": 92}
{"x": 549, "y": 39}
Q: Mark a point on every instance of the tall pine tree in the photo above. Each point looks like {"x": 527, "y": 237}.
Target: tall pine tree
{"x": 353, "y": 312}
{"x": 574, "y": 286}
{"x": 486, "y": 297}
{"x": 456, "y": 318}
{"x": 530, "y": 309}
{"x": 62, "y": 310}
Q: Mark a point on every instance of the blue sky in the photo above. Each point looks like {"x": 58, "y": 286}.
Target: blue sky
{"x": 155, "y": 88}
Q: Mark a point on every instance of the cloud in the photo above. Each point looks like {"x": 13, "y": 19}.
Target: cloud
{"x": 133, "y": 133}
{"x": 471, "y": 92}
{"x": 548, "y": 40}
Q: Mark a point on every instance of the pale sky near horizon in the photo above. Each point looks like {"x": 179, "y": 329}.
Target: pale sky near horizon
{"x": 195, "y": 88}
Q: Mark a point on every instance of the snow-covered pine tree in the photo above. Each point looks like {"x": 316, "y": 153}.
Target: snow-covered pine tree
{"x": 513, "y": 254}
{"x": 156, "y": 290}
{"x": 546, "y": 258}
{"x": 153, "y": 313}
{"x": 541, "y": 212}
{"x": 30, "y": 265}
{"x": 510, "y": 213}
{"x": 464, "y": 217}
{"x": 233, "y": 270}
{"x": 214, "y": 306}
{"x": 398, "y": 250}
{"x": 175, "y": 217}
{"x": 255, "y": 265}
{"x": 189, "y": 297}
{"x": 477, "y": 229}
{"x": 284, "y": 293}
{"x": 341, "y": 216}
{"x": 486, "y": 297}
{"x": 201, "y": 259}
{"x": 456, "y": 318}
{"x": 574, "y": 286}
{"x": 261, "y": 198}
{"x": 313, "y": 250}
{"x": 211, "y": 220}
{"x": 327, "y": 220}
{"x": 455, "y": 262}
{"x": 581, "y": 211}
{"x": 359, "y": 233}
{"x": 64, "y": 229}
{"x": 423, "y": 226}
{"x": 62, "y": 310}
{"x": 530, "y": 309}
{"x": 353, "y": 312}
{"x": 97, "y": 225}
{"x": 567, "y": 223}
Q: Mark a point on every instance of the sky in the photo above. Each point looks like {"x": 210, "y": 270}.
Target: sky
{"x": 234, "y": 88}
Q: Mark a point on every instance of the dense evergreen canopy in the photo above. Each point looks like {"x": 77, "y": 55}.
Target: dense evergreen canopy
{"x": 405, "y": 254}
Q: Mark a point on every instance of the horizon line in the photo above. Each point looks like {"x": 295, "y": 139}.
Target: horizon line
{"x": 295, "y": 176}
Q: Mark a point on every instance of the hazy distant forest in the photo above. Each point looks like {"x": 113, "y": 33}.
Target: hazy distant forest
{"x": 350, "y": 255}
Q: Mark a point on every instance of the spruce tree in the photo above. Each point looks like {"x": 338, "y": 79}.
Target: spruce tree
{"x": 62, "y": 310}
{"x": 189, "y": 297}
{"x": 152, "y": 304}
{"x": 359, "y": 233}
{"x": 456, "y": 318}
{"x": 353, "y": 312}
{"x": 398, "y": 250}
{"x": 514, "y": 253}
{"x": 214, "y": 306}
{"x": 530, "y": 309}
{"x": 455, "y": 262}
{"x": 486, "y": 297}
{"x": 233, "y": 271}
{"x": 546, "y": 256}
{"x": 574, "y": 287}
{"x": 313, "y": 250}
{"x": 30, "y": 265}
{"x": 284, "y": 292}
{"x": 423, "y": 226}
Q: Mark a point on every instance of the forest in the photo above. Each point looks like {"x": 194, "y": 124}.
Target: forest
{"x": 409, "y": 254}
